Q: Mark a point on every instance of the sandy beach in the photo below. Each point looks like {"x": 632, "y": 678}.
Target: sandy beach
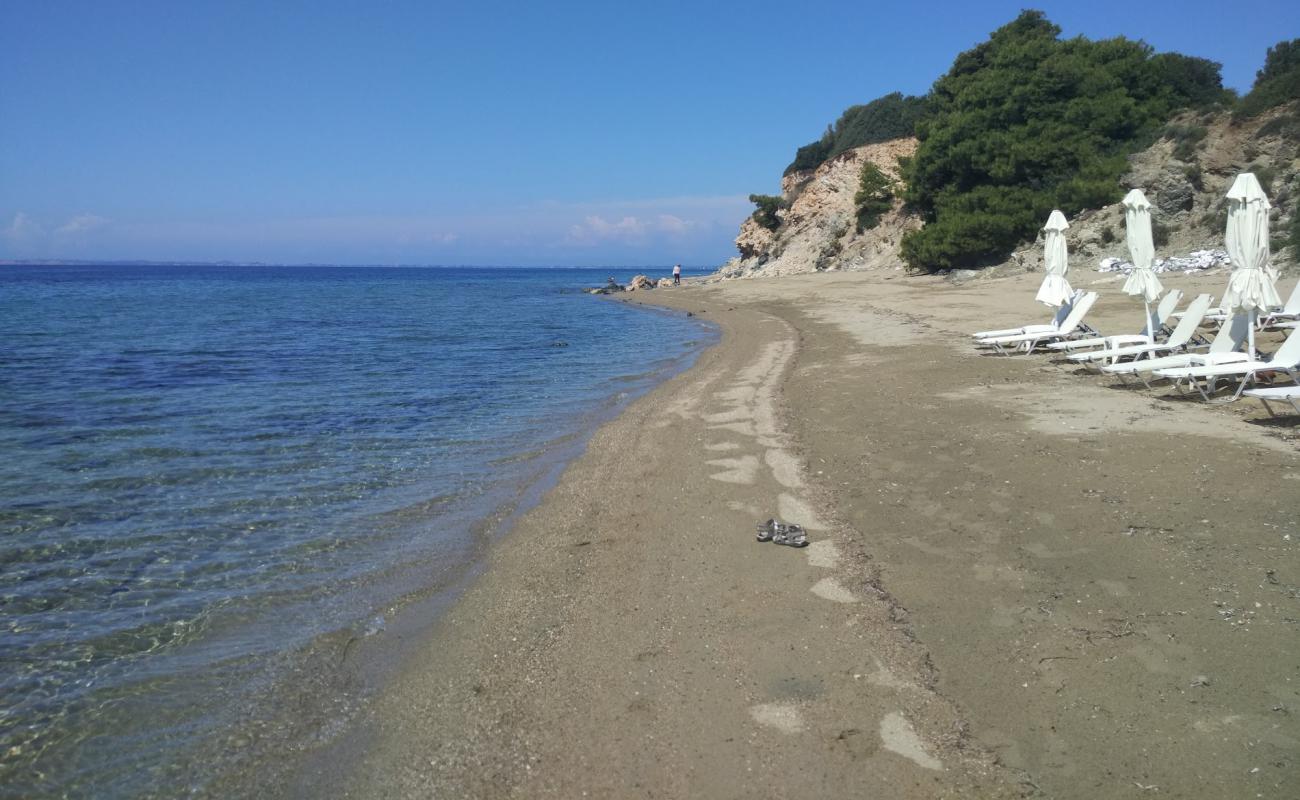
{"x": 1023, "y": 581}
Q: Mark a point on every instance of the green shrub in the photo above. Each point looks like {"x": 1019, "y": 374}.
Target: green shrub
{"x": 1107, "y": 235}
{"x": 831, "y": 250}
{"x": 1293, "y": 234}
{"x": 875, "y": 196}
{"x": 1160, "y": 233}
{"x": 1027, "y": 122}
{"x": 768, "y": 205}
{"x": 1195, "y": 177}
{"x": 1216, "y": 220}
{"x": 1286, "y": 125}
{"x": 1187, "y": 139}
{"x": 1277, "y": 83}
{"x": 890, "y": 117}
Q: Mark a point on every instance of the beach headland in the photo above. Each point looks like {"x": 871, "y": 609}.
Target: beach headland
{"x": 1023, "y": 581}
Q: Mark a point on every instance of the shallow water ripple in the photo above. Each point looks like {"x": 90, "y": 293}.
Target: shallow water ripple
{"x": 203, "y": 471}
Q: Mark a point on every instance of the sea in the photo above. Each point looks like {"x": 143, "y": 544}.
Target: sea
{"x": 216, "y": 482}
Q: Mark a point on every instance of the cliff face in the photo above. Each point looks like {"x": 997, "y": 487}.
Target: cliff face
{"x": 1186, "y": 187}
{"x": 818, "y": 229}
{"x": 1185, "y": 177}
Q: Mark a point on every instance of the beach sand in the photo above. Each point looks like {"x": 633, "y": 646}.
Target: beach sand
{"x": 1024, "y": 581}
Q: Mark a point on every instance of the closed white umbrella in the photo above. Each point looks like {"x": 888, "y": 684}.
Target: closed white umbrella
{"x": 1250, "y": 288}
{"x": 1142, "y": 250}
{"x": 1055, "y": 290}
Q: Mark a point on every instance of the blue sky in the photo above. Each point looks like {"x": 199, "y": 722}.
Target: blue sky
{"x": 586, "y": 133}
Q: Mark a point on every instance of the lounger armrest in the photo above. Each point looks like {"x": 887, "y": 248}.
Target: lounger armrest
{"x": 1113, "y": 342}
{"x": 1014, "y": 331}
{"x": 1202, "y": 359}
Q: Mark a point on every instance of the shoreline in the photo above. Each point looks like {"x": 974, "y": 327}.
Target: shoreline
{"x": 629, "y": 637}
{"x": 497, "y": 682}
{"x": 345, "y": 668}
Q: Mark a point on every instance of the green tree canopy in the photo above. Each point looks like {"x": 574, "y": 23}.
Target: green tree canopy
{"x": 890, "y": 117}
{"x": 767, "y": 206}
{"x": 1027, "y": 122}
{"x": 1277, "y": 83}
{"x": 874, "y": 197}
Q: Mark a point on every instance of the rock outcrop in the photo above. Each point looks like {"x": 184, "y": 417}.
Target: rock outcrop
{"x": 819, "y": 227}
{"x": 1185, "y": 183}
{"x": 1186, "y": 187}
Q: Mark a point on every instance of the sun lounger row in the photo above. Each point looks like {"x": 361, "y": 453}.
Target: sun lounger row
{"x": 1183, "y": 356}
{"x": 1284, "y": 316}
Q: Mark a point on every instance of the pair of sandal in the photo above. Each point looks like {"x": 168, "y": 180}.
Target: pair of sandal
{"x": 778, "y": 532}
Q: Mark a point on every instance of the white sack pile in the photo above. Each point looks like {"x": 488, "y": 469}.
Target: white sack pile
{"x": 1195, "y": 261}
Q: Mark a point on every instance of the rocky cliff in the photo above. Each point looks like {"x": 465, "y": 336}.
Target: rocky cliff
{"x": 1185, "y": 175}
{"x": 818, "y": 229}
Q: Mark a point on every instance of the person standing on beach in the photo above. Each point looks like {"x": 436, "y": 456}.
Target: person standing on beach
{"x": 677, "y": 275}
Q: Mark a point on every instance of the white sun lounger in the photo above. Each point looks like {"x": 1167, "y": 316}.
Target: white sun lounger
{"x": 1055, "y": 324}
{"x": 1289, "y": 312}
{"x": 1205, "y": 378}
{"x": 1167, "y": 305}
{"x": 1071, "y": 327}
{"x": 1223, "y": 349}
{"x": 1275, "y": 318}
{"x": 1180, "y": 339}
{"x": 1286, "y": 394}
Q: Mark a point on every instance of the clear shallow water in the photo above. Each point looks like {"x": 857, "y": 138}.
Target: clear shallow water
{"x": 205, "y": 470}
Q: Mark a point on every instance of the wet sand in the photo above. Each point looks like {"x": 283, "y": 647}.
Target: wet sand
{"x": 1023, "y": 582}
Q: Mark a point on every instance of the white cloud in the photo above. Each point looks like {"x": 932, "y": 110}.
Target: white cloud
{"x": 647, "y": 230}
{"x": 631, "y": 230}
{"x": 22, "y": 228}
{"x": 80, "y": 224}
{"x": 595, "y": 229}
{"x": 670, "y": 223}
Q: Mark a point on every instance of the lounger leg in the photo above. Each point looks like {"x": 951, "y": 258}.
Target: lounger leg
{"x": 1241, "y": 387}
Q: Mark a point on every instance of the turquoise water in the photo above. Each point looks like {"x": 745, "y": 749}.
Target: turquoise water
{"x": 205, "y": 472}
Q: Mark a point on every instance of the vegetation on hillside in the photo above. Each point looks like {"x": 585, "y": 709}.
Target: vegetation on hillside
{"x": 767, "y": 206}
{"x": 889, "y": 117}
{"x": 875, "y": 196}
{"x": 1027, "y": 122}
{"x": 1277, "y": 83}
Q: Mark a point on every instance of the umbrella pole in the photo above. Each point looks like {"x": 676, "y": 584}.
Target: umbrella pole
{"x": 1250, "y": 336}
{"x": 1151, "y": 324}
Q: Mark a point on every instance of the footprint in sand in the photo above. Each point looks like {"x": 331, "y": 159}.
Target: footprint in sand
{"x": 750, "y": 509}
{"x": 784, "y": 717}
{"x": 900, "y": 737}
{"x": 830, "y": 589}
{"x": 720, "y": 446}
{"x": 785, "y": 468}
{"x": 736, "y": 470}
{"x": 823, "y": 553}
{"x": 742, "y": 428}
{"x": 740, "y": 395}
{"x": 792, "y": 509}
{"x": 734, "y": 415}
